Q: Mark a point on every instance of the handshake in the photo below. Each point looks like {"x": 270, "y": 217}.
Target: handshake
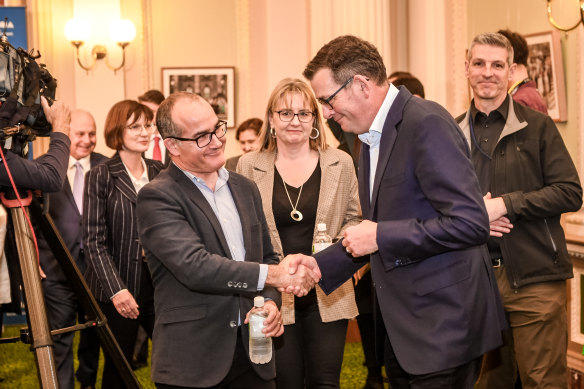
{"x": 297, "y": 274}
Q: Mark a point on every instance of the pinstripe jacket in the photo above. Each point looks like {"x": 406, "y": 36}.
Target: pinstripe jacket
{"x": 110, "y": 233}
{"x": 338, "y": 207}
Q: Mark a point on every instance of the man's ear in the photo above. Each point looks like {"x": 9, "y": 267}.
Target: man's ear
{"x": 362, "y": 83}
{"x": 171, "y": 146}
{"x": 512, "y": 69}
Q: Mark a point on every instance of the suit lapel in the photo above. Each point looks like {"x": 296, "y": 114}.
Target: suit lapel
{"x": 263, "y": 175}
{"x": 122, "y": 180}
{"x": 331, "y": 172}
{"x": 241, "y": 202}
{"x": 200, "y": 202}
{"x": 388, "y": 136}
{"x": 363, "y": 178}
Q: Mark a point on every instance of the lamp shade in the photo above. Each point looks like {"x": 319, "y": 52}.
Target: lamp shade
{"x": 122, "y": 31}
{"x": 77, "y": 30}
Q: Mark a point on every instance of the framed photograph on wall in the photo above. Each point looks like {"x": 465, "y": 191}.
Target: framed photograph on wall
{"x": 545, "y": 66}
{"x": 214, "y": 84}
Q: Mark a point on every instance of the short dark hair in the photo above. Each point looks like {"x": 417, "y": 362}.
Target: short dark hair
{"x": 254, "y": 124}
{"x": 399, "y": 74}
{"x": 347, "y": 56}
{"x": 520, "y": 49}
{"x": 152, "y": 96}
{"x": 166, "y": 127}
{"x": 412, "y": 84}
{"x": 117, "y": 120}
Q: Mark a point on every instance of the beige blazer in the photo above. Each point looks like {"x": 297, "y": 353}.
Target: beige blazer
{"x": 338, "y": 207}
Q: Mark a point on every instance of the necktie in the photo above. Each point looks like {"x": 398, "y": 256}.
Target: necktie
{"x": 156, "y": 153}
{"x": 78, "y": 186}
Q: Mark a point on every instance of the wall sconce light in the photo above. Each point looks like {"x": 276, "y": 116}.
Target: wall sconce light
{"x": 122, "y": 32}
{"x": 565, "y": 29}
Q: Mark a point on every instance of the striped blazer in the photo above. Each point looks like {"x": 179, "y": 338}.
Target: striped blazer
{"x": 338, "y": 207}
{"x": 110, "y": 234}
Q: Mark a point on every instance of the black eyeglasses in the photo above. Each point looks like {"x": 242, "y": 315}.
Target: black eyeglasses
{"x": 287, "y": 115}
{"x": 204, "y": 139}
{"x": 328, "y": 100}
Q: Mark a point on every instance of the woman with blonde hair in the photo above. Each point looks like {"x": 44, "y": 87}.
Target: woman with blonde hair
{"x": 303, "y": 183}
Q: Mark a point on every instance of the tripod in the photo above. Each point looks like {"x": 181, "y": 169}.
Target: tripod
{"x": 38, "y": 333}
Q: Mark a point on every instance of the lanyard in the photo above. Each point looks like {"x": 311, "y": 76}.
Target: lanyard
{"x": 474, "y": 139}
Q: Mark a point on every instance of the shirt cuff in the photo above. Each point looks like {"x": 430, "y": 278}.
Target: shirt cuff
{"x": 118, "y": 292}
{"x": 263, "y": 276}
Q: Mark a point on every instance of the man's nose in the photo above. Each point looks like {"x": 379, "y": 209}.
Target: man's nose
{"x": 327, "y": 112}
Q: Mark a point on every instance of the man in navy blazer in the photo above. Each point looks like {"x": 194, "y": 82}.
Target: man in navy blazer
{"x": 209, "y": 252}
{"x": 424, "y": 222}
{"x": 63, "y": 309}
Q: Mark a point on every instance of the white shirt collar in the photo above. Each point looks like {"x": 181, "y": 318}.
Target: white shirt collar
{"x": 372, "y": 136}
{"x": 139, "y": 182}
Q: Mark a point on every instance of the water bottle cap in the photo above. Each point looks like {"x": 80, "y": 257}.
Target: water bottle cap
{"x": 321, "y": 227}
{"x": 258, "y": 301}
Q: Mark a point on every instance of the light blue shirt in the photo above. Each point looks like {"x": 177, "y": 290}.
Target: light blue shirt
{"x": 223, "y": 205}
{"x": 373, "y": 136}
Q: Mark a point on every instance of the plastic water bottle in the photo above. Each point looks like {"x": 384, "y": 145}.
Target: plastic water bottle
{"x": 260, "y": 346}
{"x": 322, "y": 240}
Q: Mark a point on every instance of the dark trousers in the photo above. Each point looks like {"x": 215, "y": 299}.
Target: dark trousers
{"x": 366, "y": 323}
{"x": 240, "y": 376}
{"x": 310, "y": 353}
{"x": 63, "y": 310}
{"x": 460, "y": 377}
{"x": 126, "y": 330}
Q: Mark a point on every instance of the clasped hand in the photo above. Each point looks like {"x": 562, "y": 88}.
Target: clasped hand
{"x": 298, "y": 274}
{"x": 499, "y": 224}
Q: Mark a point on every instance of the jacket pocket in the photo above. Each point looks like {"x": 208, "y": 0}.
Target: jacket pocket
{"x": 181, "y": 314}
{"x": 443, "y": 278}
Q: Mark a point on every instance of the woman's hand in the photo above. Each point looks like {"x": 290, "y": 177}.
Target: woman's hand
{"x": 126, "y": 304}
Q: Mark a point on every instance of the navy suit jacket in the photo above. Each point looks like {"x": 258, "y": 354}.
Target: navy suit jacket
{"x": 432, "y": 274}
{"x": 65, "y": 214}
{"x": 200, "y": 293}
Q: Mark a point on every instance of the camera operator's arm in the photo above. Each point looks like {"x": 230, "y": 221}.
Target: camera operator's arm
{"x": 49, "y": 171}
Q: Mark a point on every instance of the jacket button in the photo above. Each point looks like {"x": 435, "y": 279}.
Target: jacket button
{"x": 232, "y": 324}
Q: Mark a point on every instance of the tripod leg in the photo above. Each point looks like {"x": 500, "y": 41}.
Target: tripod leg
{"x": 86, "y": 299}
{"x": 42, "y": 342}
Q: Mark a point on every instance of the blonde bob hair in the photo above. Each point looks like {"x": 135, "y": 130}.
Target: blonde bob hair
{"x": 283, "y": 92}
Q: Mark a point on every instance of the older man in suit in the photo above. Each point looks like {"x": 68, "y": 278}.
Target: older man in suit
{"x": 424, "y": 227}
{"x": 65, "y": 207}
{"x": 209, "y": 251}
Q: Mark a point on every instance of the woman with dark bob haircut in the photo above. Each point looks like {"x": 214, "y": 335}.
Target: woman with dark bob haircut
{"x": 117, "y": 274}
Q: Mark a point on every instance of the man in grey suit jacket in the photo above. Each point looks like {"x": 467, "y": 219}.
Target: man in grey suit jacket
{"x": 63, "y": 309}
{"x": 209, "y": 251}
{"x": 424, "y": 222}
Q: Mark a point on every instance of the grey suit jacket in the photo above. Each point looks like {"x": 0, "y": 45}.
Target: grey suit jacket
{"x": 338, "y": 207}
{"x": 110, "y": 233}
{"x": 200, "y": 293}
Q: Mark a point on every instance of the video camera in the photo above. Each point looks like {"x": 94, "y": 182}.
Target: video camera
{"x": 22, "y": 83}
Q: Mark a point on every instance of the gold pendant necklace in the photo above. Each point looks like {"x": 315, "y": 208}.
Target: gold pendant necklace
{"x": 296, "y": 215}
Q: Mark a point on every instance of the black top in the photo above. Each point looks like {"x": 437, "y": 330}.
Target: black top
{"x": 486, "y": 131}
{"x": 296, "y": 236}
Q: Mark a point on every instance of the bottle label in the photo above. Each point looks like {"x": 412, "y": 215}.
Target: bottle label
{"x": 256, "y": 325}
{"x": 316, "y": 247}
